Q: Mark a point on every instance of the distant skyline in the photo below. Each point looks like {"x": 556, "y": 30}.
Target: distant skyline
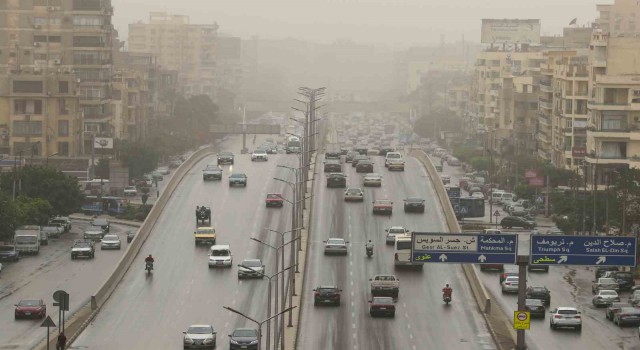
{"x": 383, "y": 22}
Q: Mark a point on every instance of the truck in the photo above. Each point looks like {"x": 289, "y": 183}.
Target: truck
{"x": 293, "y": 145}
{"x": 385, "y": 285}
{"x": 27, "y": 239}
{"x": 205, "y": 235}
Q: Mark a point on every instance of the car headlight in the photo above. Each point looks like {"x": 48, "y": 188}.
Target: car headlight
{"x": 233, "y": 342}
{"x": 254, "y": 342}
{"x": 188, "y": 340}
{"x": 208, "y": 341}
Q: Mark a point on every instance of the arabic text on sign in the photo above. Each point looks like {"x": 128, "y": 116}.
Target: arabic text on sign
{"x": 446, "y": 243}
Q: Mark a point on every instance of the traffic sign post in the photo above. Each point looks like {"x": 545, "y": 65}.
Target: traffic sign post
{"x": 521, "y": 320}
{"x": 437, "y": 247}
{"x": 61, "y": 300}
{"x": 48, "y": 322}
{"x": 582, "y": 250}
{"x": 497, "y": 215}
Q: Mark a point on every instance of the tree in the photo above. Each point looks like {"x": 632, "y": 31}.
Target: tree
{"x": 61, "y": 191}
{"x": 138, "y": 157}
{"x": 627, "y": 190}
{"x": 32, "y": 211}
{"x": 8, "y": 217}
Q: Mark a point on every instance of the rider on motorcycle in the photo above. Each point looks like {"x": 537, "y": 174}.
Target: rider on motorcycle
{"x": 149, "y": 260}
{"x": 369, "y": 245}
{"x": 446, "y": 291}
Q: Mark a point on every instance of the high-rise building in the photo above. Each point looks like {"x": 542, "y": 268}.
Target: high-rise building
{"x": 179, "y": 45}
{"x": 42, "y": 44}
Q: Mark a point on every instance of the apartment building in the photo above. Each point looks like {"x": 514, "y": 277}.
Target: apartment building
{"x": 43, "y": 42}
{"x": 179, "y": 45}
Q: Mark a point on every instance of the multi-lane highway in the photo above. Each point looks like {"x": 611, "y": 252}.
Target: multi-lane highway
{"x": 422, "y": 320}
{"x": 37, "y": 277}
{"x": 150, "y": 312}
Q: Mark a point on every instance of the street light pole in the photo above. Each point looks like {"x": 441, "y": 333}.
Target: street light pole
{"x": 258, "y": 323}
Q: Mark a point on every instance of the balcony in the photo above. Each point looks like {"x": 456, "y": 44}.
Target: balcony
{"x": 603, "y": 159}
{"x": 609, "y": 106}
{"x": 544, "y": 120}
{"x": 599, "y": 63}
{"x": 546, "y": 88}
{"x": 544, "y": 154}
{"x": 545, "y": 103}
{"x": 546, "y": 71}
{"x": 542, "y": 137}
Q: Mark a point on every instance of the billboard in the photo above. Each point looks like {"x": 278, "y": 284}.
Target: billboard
{"x": 103, "y": 142}
{"x": 511, "y": 31}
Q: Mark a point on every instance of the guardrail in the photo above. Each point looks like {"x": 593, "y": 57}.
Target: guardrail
{"x": 80, "y": 320}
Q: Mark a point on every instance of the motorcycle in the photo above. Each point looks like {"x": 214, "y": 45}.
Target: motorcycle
{"x": 149, "y": 267}
{"x": 369, "y": 251}
{"x": 446, "y": 298}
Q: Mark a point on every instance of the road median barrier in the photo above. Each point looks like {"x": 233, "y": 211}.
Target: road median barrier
{"x": 81, "y": 319}
{"x": 496, "y": 320}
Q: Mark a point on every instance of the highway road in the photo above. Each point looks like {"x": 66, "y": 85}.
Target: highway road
{"x": 38, "y": 276}
{"x": 148, "y": 312}
{"x": 422, "y": 320}
{"x": 569, "y": 286}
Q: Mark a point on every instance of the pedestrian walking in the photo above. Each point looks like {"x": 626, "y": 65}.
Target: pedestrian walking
{"x": 62, "y": 341}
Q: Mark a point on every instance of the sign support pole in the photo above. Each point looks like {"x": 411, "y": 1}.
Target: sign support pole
{"x": 523, "y": 261}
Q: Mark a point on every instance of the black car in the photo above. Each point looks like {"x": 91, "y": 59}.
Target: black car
{"x": 415, "y": 205}
{"x": 361, "y": 150}
{"x": 336, "y": 180}
{"x": 332, "y": 166}
{"x": 627, "y": 316}
{"x": 326, "y": 294}
{"x": 332, "y": 155}
{"x": 238, "y": 179}
{"x": 103, "y": 223}
{"x": 343, "y": 151}
{"x": 532, "y": 267}
{"x": 385, "y": 150}
{"x": 225, "y": 158}
{"x": 364, "y": 166}
{"x": 244, "y": 338}
{"x": 83, "y": 249}
{"x": 613, "y": 308}
{"x": 601, "y": 270}
{"x": 535, "y": 307}
{"x": 358, "y": 158}
{"x": 540, "y": 293}
{"x": 625, "y": 279}
{"x": 515, "y": 221}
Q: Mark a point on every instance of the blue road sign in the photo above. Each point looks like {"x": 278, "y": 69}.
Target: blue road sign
{"x": 582, "y": 250}
{"x": 437, "y": 247}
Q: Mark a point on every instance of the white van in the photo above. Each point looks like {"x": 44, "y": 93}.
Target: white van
{"x": 220, "y": 255}
{"x": 507, "y": 197}
{"x": 402, "y": 256}
{"x": 496, "y": 196}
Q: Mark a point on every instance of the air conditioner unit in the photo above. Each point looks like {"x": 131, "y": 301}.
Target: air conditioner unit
{"x": 37, "y": 26}
{"x": 36, "y": 44}
{"x": 57, "y": 62}
{"x": 37, "y": 70}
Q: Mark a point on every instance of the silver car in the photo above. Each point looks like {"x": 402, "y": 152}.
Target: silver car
{"x": 251, "y": 268}
{"x": 354, "y": 194}
{"x": 372, "y": 179}
{"x": 335, "y": 246}
{"x": 393, "y": 231}
{"x": 605, "y": 297}
{"x": 510, "y": 284}
{"x": 199, "y": 336}
{"x": 110, "y": 242}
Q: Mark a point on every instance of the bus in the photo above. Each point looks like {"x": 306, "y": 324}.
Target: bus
{"x": 293, "y": 145}
{"x": 402, "y": 254}
{"x": 93, "y": 205}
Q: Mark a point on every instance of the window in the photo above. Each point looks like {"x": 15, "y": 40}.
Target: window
{"x": 88, "y": 41}
{"x": 117, "y": 95}
{"x": 87, "y": 21}
{"x": 62, "y": 106}
{"x": 27, "y": 107}
{"x": 27, "y": 86}
{"x": 63, "y": 148}
{"x": 63, "y": 87}
{"x": 86, "y": 5}
{"x": 27, "y": 128}
{"x": 63, "y": 128}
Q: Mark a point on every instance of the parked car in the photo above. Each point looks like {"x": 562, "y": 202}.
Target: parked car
{"x": 515, "y": 221}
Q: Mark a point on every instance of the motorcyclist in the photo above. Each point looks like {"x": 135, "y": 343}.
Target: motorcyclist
{"x": 149, "y": 260}
{"x": 369, "y": 246}
{"x": 446, "y": 291}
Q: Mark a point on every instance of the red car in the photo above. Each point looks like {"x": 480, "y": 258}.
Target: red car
{"x": 31, "y": 308}
{"x": 274, "y": 200}
{"x": 382, "y": 306}
{"x": 382, "y": 206}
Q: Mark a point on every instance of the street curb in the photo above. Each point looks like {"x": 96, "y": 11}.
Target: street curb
{"x": 113, "y": 221}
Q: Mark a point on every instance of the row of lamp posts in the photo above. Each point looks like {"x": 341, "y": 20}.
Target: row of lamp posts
{"x": 299, "y": 190}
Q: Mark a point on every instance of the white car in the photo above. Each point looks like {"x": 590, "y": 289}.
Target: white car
{"x": 566, "y": 317}
{"x": 354, "y": 194}
{"x": 199, "y": 336}
{"x": 394, "y": 231}
{"x": 130, "y": 191}
{"x": 335, "y": 246}
{"x": 477, "y": 195}
{"x": 372, "y": 179}
{"x": 110, "y": 242}
{"x": 220, "y": 255}
{"x": 259, "y": 155}
{"x": 251, "y": 268}
{"x": 164, "y": 170}
{"x": 510, "y": 284}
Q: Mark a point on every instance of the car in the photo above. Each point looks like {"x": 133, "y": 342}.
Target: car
{"x": 364, "y": 166}
{"x": 414, "y": 205}
{"x": 624, "y": 278}
{"x": 446, "y": 179}
{"x": 212, "y": 172}
{"x": 354, "y": 194}
{"x": 540, "y": 293}
{"x": 259, "y": 155}
{"x": 164, "y": 170}
{"x": 156, "y": 176}
{"x": 601, "y": 270}
{"x": 238, "y": 179}
{"x": 103, "y": 223}
{"x": 362, "y": 150}
{"x": 634, "y": 299}
{"x": 326, "y": 295}
{"x": 110, "y": 242}
{"x": 274, "y": 200}
{"x": 394, "y": 161}
{"x": 337, "y": 180}
{"x": 225, "y": 158}
{"x": 605, "y": 283}
{"x": 9, "y": 252}
{"x": 64, "y": 221}
{"x": 605, "y": 297}
{"x": 30, "y": 308}
{"x": 82, "y": 248}
{"x": 350, "y": 155}
{"x": 510, "y": 284}
{"x": 335, "y": 246}
{"x": 394, "y": 231}
{"x": 382, "y": 306}
{"x": 332, "y": 166}
{"x": 332, "y": 155}
{"x": 383, "y": 206}
{"x": 535, "y": 307}
{"x": 508, "y": 270}
{"x": 93, "y": 233}
{"x": 220, "y": 255}
{"x": 627, "y": 316}
{"x": 357, "y": 159}
{"x": 613, "y": 308}
{"x": 130, "y": 191}
{"x": 199, "y": 336}
{"x": 251, "y": 268}
{"x": 244, "y": 339}
{"x": 372, "y": 179}
{"x": 53, "y": 231}
{"x": 565, "y": 317}
{"x": 516, "y": 221}
{"x": 386, "y": 149}
{"x": 477, "y": 195}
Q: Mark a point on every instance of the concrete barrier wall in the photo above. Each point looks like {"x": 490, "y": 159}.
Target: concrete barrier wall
{"x": 87, "y": 312}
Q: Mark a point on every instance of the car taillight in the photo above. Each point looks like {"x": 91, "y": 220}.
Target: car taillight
{"x": 395, "y": 257}
{"x": 624, "y": 315}
{"x": 557, "y": 316}
{"x": 577, "y": 316}
{"x": 317, "y": 294}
